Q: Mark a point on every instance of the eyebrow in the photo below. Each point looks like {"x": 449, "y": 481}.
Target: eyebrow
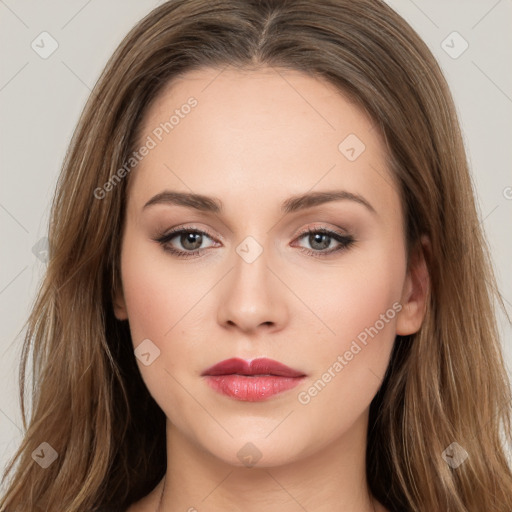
{"x": 290, "y": 205}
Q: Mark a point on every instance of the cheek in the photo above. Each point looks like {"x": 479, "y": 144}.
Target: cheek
{"x": 159, "y": 302}
{"x": 361, "y": 308}
{"x": 367, "y": 292}
{"x": 157, "y": 294}
{"x": 370, "y": 302}
{"x": 353, "y": 295}
{"x": 146, "y": 303}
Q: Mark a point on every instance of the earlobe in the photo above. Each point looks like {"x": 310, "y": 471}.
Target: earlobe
{"x": 415, "y": 291}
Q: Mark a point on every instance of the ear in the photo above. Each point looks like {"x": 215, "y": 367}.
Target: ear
{"x": 119, "y": 304}
{"x": 415, "y": 291}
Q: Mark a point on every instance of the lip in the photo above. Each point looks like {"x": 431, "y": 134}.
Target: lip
{"x": 251, "y": 381}
{"x": 260, "y": 366}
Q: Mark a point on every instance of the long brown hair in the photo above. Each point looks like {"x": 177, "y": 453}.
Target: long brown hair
{"x": 447, "y": 383}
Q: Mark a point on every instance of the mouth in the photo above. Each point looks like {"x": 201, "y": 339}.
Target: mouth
{"x": 252, "y": 381}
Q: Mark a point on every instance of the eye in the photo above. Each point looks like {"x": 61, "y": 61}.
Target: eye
{"x": 189, "y": 239}
{"x": 322, "y": 238}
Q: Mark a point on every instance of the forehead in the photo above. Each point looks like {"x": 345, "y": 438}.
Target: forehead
{"x": 272, "y": 131}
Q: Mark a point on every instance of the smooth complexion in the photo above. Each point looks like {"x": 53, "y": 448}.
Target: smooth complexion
{"x": 256, "y": 139}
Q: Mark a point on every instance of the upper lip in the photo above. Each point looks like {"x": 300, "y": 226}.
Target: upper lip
{"x": 260, "y": 366}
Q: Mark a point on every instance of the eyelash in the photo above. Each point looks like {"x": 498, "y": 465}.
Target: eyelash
{"x": 345, "y": 240}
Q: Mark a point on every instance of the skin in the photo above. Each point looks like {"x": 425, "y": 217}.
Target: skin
{"x": 255, "y": 138}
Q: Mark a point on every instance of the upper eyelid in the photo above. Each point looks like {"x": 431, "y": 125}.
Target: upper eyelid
{"x": 186, "y": 229}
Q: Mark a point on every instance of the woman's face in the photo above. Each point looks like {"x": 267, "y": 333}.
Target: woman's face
{"x": 276, "y": 154}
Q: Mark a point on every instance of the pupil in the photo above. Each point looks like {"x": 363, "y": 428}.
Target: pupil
{"x": 314, "y": 238}
{"x": 189, "y": 240}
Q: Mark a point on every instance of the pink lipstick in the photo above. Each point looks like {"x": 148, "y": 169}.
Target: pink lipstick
{"x": 251, "y": 381}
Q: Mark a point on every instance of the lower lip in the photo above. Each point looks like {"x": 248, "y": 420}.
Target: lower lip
{"x": 251, "y": 389}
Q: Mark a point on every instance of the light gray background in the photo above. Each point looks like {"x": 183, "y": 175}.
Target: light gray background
{"x": 41, "y": 99}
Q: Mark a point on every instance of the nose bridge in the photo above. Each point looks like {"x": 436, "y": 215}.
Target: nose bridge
{"x": 250, "y": 275}
{"x": 252, "y": 265}
{"x": 251, "y": 295}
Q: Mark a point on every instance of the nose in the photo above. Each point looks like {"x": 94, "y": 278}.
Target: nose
{"x": 252, "y": 297}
